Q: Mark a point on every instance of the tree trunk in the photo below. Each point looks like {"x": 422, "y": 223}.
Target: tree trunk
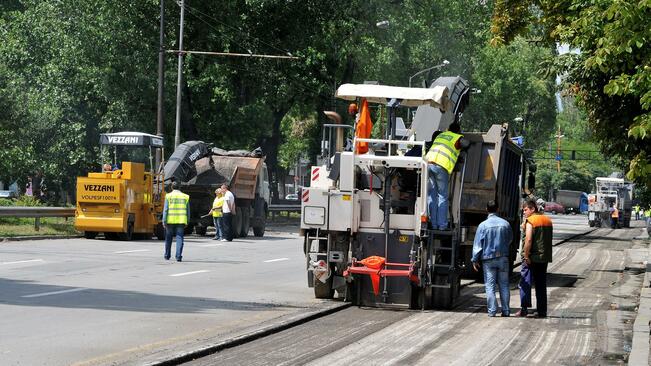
{"x": 270, "y": 148}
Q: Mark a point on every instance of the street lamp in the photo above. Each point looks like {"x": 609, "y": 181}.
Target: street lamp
{"x": 444, "y": 63}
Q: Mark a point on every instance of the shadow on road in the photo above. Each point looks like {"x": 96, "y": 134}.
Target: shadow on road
{"x": 15, "y": 292}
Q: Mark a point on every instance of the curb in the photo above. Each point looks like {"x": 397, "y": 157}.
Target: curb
{"x": 38, "y": 237}
{"x": 641, "y": 327}
{"x": 206, "y": 350}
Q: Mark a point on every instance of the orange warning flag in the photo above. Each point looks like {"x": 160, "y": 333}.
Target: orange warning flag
{"x": 364, "y": 127}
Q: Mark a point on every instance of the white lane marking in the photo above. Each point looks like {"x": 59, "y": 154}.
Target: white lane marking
{"x": 131, "y": 251}
{"x": 211, "y": 245}
{"x": 27, "y": 261}
{"x": 276, "y": 260}
{"x": 56, "y": 292}
{"x": 188, "y": 273}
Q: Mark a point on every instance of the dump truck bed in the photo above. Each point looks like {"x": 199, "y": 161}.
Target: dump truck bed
{"x": 240, "y": 172}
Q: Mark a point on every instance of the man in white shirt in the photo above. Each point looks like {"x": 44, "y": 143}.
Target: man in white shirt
{"x": 228, "y": 209}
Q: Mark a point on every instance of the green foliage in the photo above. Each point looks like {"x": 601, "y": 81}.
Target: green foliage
{"x": 512, "y": 86}
{"x": 27, "y": 201}
{"x": 574, "y": 175}
{"x": 610, "y": 77}
{"x": 4, "y": 202}
{"x": 296, "y": 128}
{"x": 70, "y": 70}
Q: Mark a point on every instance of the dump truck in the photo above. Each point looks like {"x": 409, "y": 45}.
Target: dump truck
{"x": 573, "y": 201}
{"x": 364, "y": 216}
{"x": 125, "y": 199}
{"x": 201, "y": 169}
{"x": 611, "y": 190}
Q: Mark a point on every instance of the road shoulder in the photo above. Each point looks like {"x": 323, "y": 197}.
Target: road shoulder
{"x": 641, "y": 329}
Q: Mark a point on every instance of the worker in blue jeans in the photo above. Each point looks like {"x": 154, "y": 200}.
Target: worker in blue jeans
{"x": 491, "y": 247}
{"x": 442, "y": 157}
{"x": 175, "y": 217}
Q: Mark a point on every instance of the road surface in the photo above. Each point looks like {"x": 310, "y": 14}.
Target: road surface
{"x": 96, "y": 302}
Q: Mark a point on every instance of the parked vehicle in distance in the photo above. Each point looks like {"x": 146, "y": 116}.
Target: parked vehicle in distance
{"x": 7, "y": 194}
{"x": 573, "y": 201}
{"x": 292, "y": 197}
{"x": 554, "y": 208}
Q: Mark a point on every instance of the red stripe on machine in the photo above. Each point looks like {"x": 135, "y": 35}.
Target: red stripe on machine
{"x": 306, "y": 195}
{"x": 315, "y": 174}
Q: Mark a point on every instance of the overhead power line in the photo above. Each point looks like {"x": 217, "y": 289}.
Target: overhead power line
{"x": 230, "y": 54}
{"x": 240, "y": 31}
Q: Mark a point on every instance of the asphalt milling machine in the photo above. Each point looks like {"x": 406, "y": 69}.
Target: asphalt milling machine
{"x": 611, "y": 190}
{"x": 364, "y": 216}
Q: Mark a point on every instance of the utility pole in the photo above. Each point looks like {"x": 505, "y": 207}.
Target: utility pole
{"x": 161, "y": 82}
{"x": 558, "y": 149}
{"x": 179, "y": 79}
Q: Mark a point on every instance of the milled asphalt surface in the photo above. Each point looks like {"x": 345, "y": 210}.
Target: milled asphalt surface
{"x": 594, "y": 286}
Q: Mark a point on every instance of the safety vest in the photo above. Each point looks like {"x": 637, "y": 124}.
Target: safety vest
{"x": 647, "y": 212}
{"x": 541, "y": 246}
{"x": 177, "y": 207}
{"x": 615, "y": 214}
{"x": 217, "y": 206}
{"x": 443, "y": 152}
{"x": 636, "y": 209}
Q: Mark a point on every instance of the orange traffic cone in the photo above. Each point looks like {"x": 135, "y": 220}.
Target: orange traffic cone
{"x": 374, "y": 262}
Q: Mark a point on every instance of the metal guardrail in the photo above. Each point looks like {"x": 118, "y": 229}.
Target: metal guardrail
{"x": 13, "y": 211}
{"x": 277, "y": 208}
{"x": 292, "y": 208}
{"x": 37, "y": 213}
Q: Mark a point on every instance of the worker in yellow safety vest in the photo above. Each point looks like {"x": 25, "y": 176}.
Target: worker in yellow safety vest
{"x": 216, "y": 211}
{"x": 175, "y": 218}
{"x": 442, "y": 157}
{"x": 636, "y": 210}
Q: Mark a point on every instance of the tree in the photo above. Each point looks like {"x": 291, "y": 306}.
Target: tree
{"x": 69, "y": 71}
{"x": 511, "y": 87}
{"x": 610, "y": 76}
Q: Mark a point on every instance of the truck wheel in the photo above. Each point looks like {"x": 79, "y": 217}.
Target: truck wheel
{"x": 590, "y": 223}
{"x": 246, "y": 223}
{"x": 237, "y": 223}
{"x": 128, "y": 236}
{"x": 90, "y": 234}
{"x": 200, "y": 230}
{"x": 323, "y": 290}
{"x": 258, "y": 229}
{"x": 159, "y": 231}
{"x": 187, "y": 230}
{"x": 352, "y": 292}
{"x": 421, "y": 298}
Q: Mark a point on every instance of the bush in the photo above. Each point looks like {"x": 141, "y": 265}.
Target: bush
{"x": 27, "y": 201}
